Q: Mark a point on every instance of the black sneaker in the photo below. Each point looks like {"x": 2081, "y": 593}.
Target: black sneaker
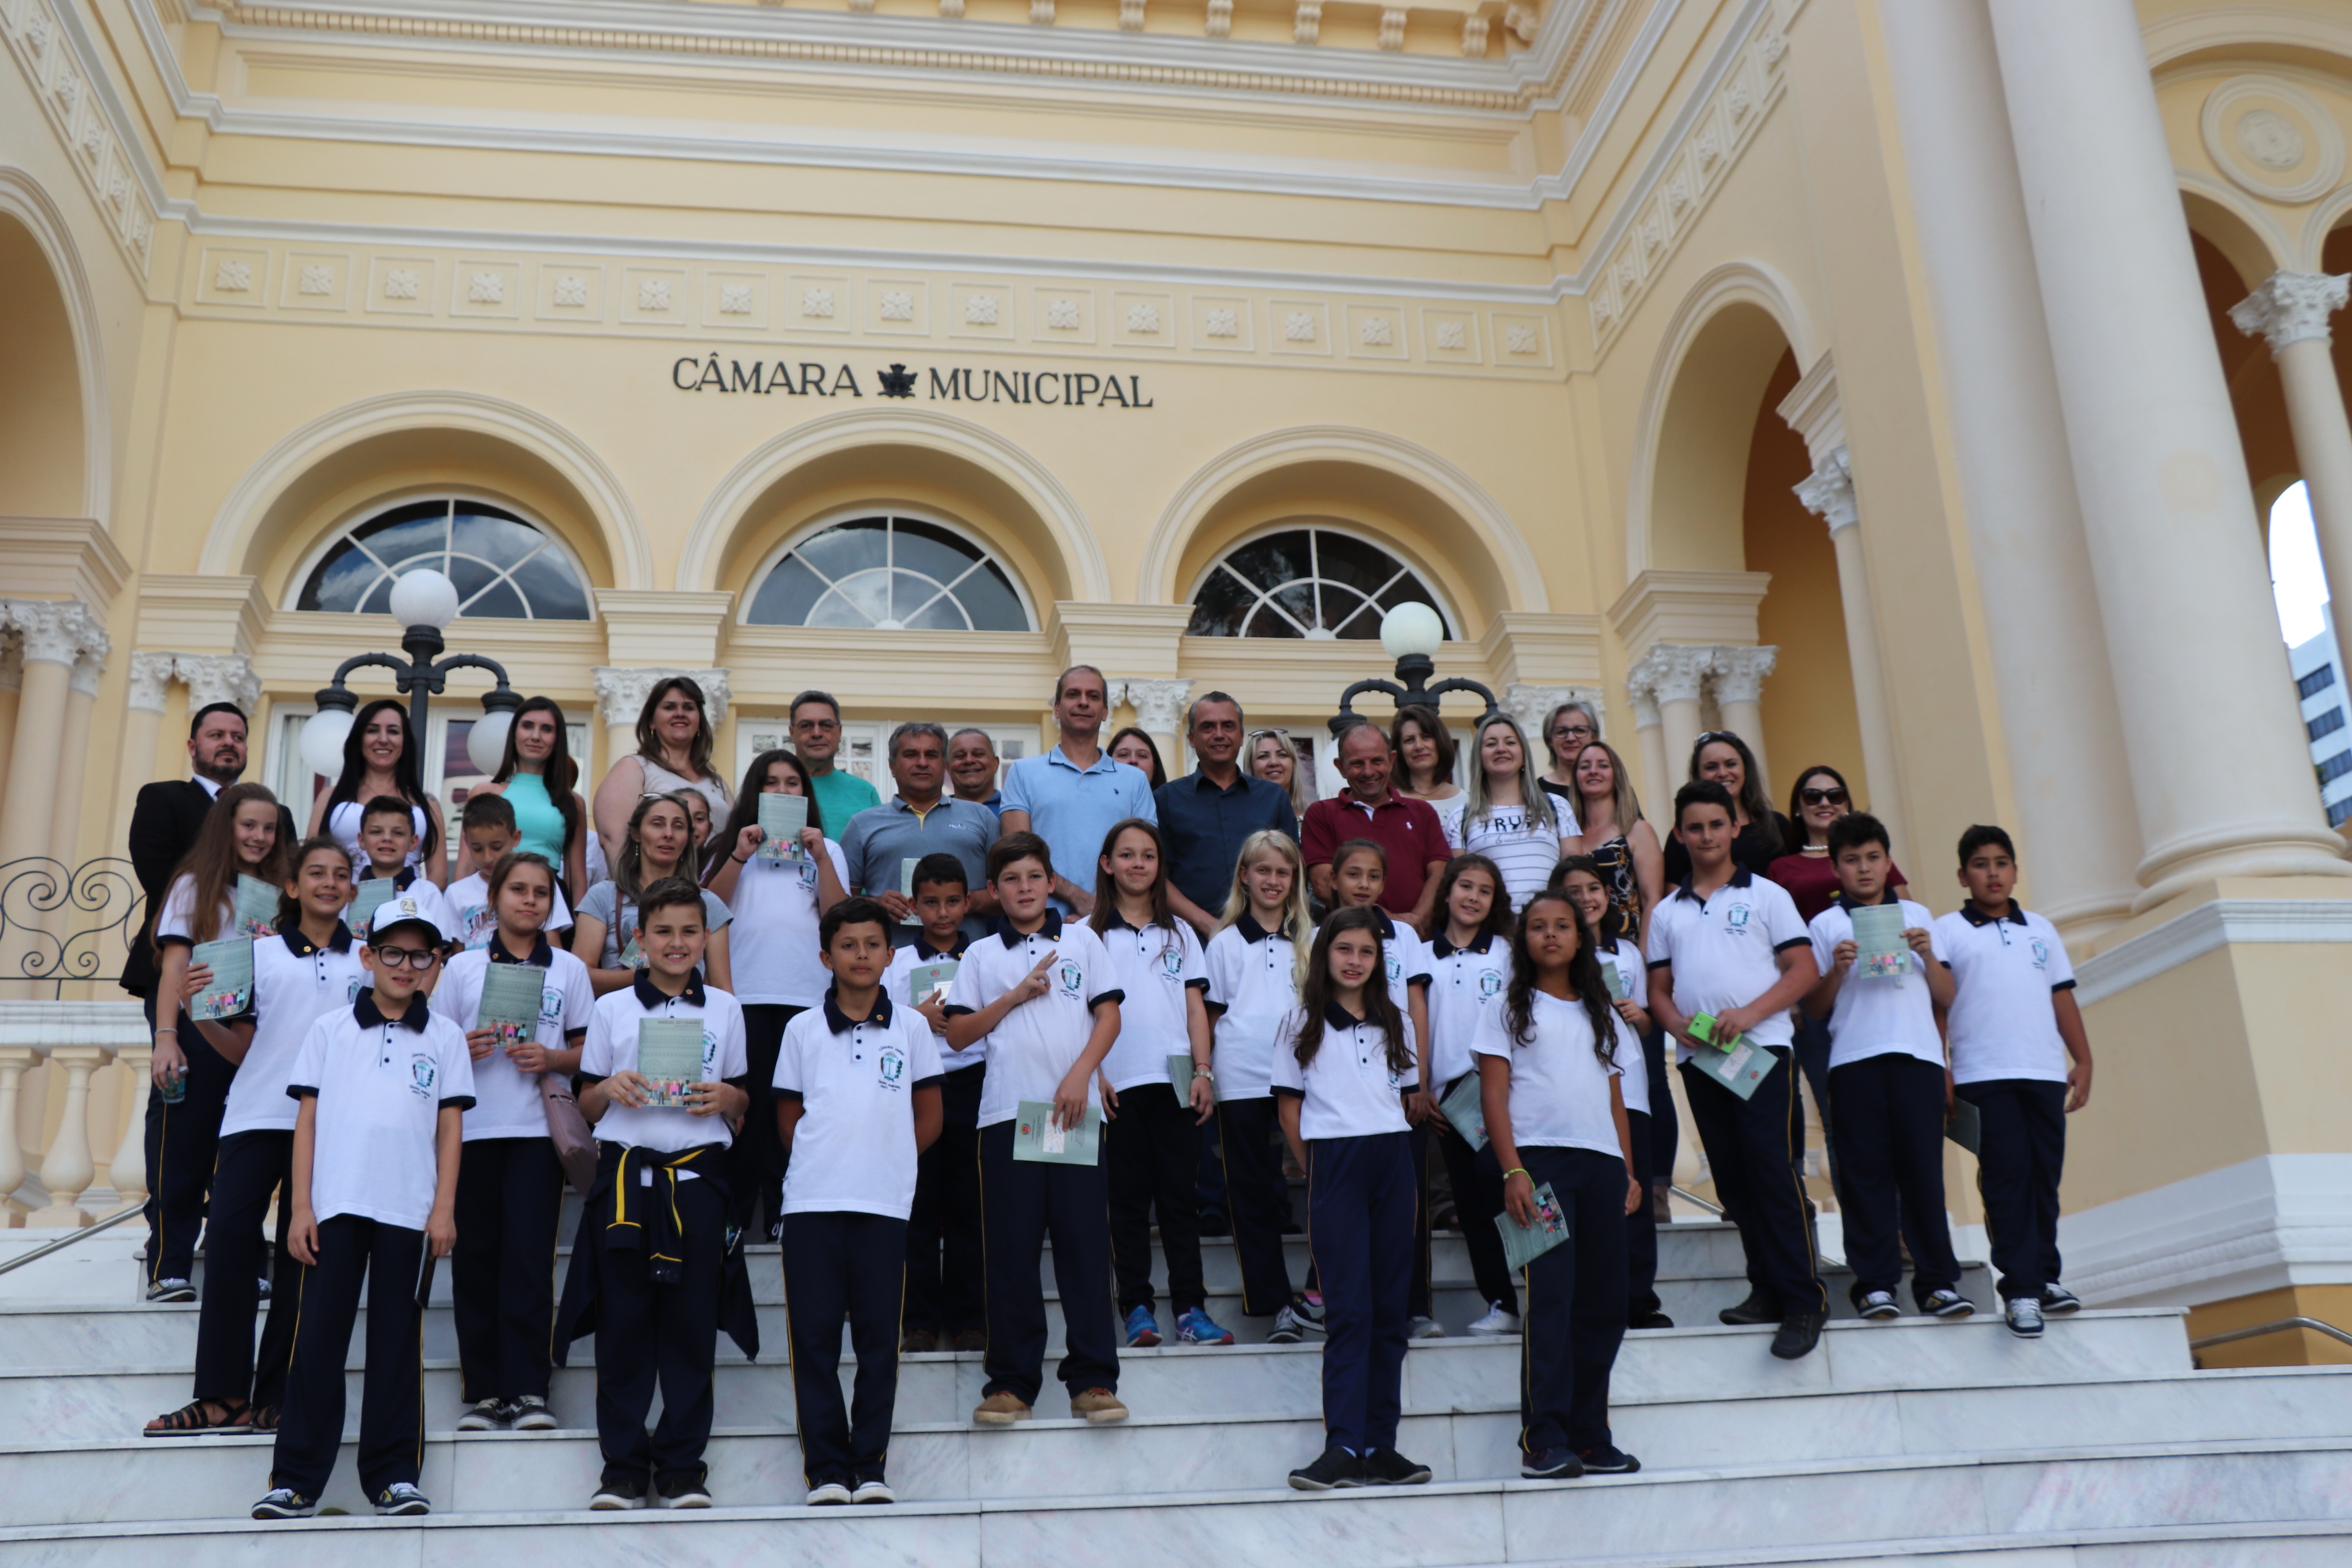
{"x": 1608, "y": 1460}
{"x": 1946, "y": 1303}
{"x": 686, "y": 1491}
{"x": 1756, "y": 1309}
{"x": 1652, "y": 1319}
{"x": 1334, "y": 1469}
{"x": 1387, "y": 1468}
{"x": 2057, "y": 1301}
{"x": 1551, "y": 1465}
{"x": 619, "y": 1492}
{"x": 1800, "y": 1332}
{"x": 1214, "y": 1223}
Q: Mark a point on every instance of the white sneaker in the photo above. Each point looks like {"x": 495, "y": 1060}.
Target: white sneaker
{"x": 875, "y": 1491}
{"x": 827, "y": 1494}
{"x": 530, "y": 1413}
{"x": 2024, "y": 1315}
{"x": 484, "y": 1416}
{"x": 1424, "y": 1328}
{"x": 1496, "y": 1322}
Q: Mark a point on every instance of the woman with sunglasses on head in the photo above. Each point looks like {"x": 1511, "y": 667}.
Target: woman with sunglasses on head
{"x": 1759, "y": 833}
{"x": 1568, "y": 729}
{"x": 1270, "y": 755}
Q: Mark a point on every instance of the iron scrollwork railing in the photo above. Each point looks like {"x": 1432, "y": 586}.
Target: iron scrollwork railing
{"x": 61, "y": 922}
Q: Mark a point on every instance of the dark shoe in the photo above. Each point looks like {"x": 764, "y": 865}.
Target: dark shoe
{"x": 968, "y": 1340}
{"x": 1608, "y": 1460}
{"x": 2057, "y": 1301}
{"x": 1878, "y": 1304}
{"x": 1800, "y": 1332}
{"x": 285, "y": 1502}
{"x": 1214, "y": 1223}
{"x": 1292, "y": 1228}
{"x": 918, "y": 1342}
{"x": 1551, "y": 1465}
{"x": 619, "y": 1492}
{"x": 1755, "y": 1310}
{"x": 1387, "y": 1468}
{"x": 1650, "y": 1320}
{"x": 1946, "y": 1304}
{"x": 1337, "y": 1468}
{"x": 687, "y": 1491}
{"x": 402, "y": 1499}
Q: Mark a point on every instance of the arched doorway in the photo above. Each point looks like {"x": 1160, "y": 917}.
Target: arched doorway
{"x": 43, "y": 464}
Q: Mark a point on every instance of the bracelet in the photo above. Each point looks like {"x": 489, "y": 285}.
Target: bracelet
{"x": 1516, "y": 1170}
{"x": 1198, "y": 1071}
{"x": 172, "y": 1031}
{"x": 735, "y": 859}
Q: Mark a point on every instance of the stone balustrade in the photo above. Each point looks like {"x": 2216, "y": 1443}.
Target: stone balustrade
{"x": 73, "y": 1040}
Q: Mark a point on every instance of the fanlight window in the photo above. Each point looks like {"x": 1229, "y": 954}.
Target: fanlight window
{"x": 1306, "y": 582}
{"x": 892, "y": 574}
{"x": 501, "y": 564}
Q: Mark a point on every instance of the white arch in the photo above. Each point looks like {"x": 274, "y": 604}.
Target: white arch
{"x": 23, "y": 198}
{"x": 2265, "y": 231}
{"x": 1731, "y": 283}
{"x": 1514, "y": 562}
{"x": 2330, "y": 212}
{"x": 724, "y": 512}
{"x": 249, "y": 501}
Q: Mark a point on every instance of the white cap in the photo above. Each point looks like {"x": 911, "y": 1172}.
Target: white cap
{"x": 400, "y": 910}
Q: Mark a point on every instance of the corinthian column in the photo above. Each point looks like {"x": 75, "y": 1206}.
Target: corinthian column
{"x": 2290, "y": 311}
{"x": 1160, "y": 709}
{"x": 1672, "y": 674}
{"x": 1828, "y": 494}
{"x": 621, "y": 695}
{"x": 1738, "y": 674}
{"x": 142, "y": 723}
{"x": 72, "y": 754}
{"x": 1649, "y": 727}
{"x": 2167, "y": 508}
{"x": 54, "y": 633}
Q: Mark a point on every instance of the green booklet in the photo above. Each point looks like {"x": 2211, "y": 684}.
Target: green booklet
{"x": 1180, "y": 1075}
{"x": 366, "y": 899}
{"x": 511, "y": 999}
{"x": 1965, "y": 1126}
{"x": 906, "y": 891}
{"x": 669, "y": 1057}
{"x": 632, "y": 955}
{"x": 926, "y": 981}
{"x": 782, "y": 818}
{"x": 1880, "y": 950}
{"x": 1524, "y": 1244}
{"x": 1739, "y": 1066}
{"x": 256, "y": 907}
{"x": 1465, "y": 1108}
{"x": 1619, "y": 989}
{"x": 1034, "y": 1136}
{"x": 230, "y": 991}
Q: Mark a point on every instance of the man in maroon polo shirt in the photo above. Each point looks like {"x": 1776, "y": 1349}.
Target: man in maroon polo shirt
{"x": 1407, "y": 829}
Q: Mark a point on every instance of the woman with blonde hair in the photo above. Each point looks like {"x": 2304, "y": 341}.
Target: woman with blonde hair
{"x": 1625, "y": 847}
{"x": 1270, "y": 755}
{"x": 1507, "y": 816}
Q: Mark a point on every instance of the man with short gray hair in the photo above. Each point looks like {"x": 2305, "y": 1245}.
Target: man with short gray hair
{"x": 882, "y": 841}
{"x": 1206, "y": 815}
{"x": 815, "y": 721}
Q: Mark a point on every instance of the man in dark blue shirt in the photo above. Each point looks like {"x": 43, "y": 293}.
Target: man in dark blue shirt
{"x": 1206, "y": 815}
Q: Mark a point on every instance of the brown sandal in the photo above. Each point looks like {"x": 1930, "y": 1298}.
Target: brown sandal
{"x": 193, "y": 1419}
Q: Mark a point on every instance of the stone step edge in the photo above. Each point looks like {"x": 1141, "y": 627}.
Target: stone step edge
{"x": 1708, "y": 1476}
{"x": 1950, "y": 1546}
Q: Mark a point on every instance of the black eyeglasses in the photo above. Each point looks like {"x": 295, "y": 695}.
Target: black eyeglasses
{"x": 1823, "y": 796}
{"x": 1559, "y": 729}
{"x": 404, "y": 957}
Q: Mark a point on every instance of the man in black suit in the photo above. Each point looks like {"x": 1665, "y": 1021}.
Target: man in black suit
{"x": 164, "y": 827}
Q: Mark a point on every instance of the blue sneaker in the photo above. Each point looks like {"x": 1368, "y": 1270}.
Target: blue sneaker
{"x": 1142, "y": 1329}
{"x": 1197, "y": 1327}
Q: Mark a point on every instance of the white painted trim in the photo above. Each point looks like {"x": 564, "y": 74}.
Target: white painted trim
{"x": 2197, "y": 931}
{"x": 931, "y": 516}
{"x": 339, "y": 532}
{"x": 1361, "y": 535}
{"x": 2261, "y": 1224}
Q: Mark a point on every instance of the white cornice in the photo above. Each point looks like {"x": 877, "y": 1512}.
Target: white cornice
{"x": 2222, "y": 923}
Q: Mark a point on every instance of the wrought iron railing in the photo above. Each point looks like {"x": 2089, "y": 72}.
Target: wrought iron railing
{"x": 61, "y": 923}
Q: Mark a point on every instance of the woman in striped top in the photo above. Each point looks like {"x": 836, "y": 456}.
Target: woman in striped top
{"x": 1510, "y": 818}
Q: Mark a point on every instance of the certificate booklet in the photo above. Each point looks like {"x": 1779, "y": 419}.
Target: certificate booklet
{"x": 633, "y": 957}
{"x": 510, "y": 997}
{"x": 1879, "y": 949}
{"x": 1180, "y": 1075}
{"x": 669, "y": 1057}
{"x": 256, "y": 907}
{"x": 906, "y": 891}
{"x": 366, "y": 899}
{"x": 230, "y": 991}
{"x": 1466, "y": 1109}
{"x": 782, "y": 818}
{"x": 1034, "y": 1136}
{"x": 1524, "y": 1244}
{"x": 1739, "y": 1066}
{"x": 926, "y": 981}
{"x": 1965, "y": 1126}
{"x": 1618, "y": 989}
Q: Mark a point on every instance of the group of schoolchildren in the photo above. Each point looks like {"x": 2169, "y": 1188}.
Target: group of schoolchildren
{"x": 402, "y": 1130}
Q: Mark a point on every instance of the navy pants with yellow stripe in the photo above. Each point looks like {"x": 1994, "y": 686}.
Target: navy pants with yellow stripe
{"x": 1362, "y": 1201}
{"x": 838, "y": 1265}
{"x": 1747, "y": 1143}
{"x": 1576, "y": 1302}
{"x": 503, "y": 1275}
{"x": 664, "y": 1334}
{"x": 392, "y": 1401}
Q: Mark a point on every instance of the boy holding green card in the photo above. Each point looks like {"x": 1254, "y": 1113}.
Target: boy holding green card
{"x": 1728, "y": 946}
{"x": 1039, "y": 995}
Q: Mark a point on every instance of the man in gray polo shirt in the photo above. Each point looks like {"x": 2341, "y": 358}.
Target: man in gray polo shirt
{"x": 920, "y": 821}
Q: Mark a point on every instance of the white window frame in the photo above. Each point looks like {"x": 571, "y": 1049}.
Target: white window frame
{"x": 969, "y": 535}
{"x": 1453, "y": 622}
{"x": 391, "y": 500}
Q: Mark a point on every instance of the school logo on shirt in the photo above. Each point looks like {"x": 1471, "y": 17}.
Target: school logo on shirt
{"x": 1171, "y": 965}
{"x": 710, "y": 1057}
{"x": 2041, "y": 953}
{"x": 1490, "y": 984}
{"x": 1736, "y": 920}
{"x": 892, "y": 1068}
{"x": 352, "y": 991}
{"x": 424, "y": 1073}
{"x": 1074, "y": 978}
{"x": 1395, "y": 967}
{"x": 551, "y": 1004}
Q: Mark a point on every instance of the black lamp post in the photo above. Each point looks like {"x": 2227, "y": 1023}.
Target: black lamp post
{"x": 1410, "y": 633}
{"x": 424, "y": 602}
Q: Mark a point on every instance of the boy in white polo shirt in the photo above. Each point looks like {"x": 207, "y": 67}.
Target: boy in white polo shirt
{"x": 383, "y": 1086}
{"x": 1887, "y": 1081}
{"x": 1730, "y": 943}
{"x": 857, "y": 1100}
{"x": 945, "y": 1297}
{"x": 1040, "y": 995}
{"x": 2020, "y": 1056}
{"x": 651, "y": 1256}
{"x": 387, "y": 833}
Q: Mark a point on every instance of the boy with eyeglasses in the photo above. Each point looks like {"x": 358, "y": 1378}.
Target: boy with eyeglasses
{"x": 383, "y": 1085}
{"x": 816, "y": 740}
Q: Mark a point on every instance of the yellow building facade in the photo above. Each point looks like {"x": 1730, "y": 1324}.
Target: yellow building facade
{"x": 1858, "y": 374}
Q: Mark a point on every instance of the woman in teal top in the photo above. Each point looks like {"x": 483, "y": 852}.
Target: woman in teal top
{"x": 536, "y": 776}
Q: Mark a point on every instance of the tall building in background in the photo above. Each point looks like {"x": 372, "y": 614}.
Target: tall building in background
{"x": 2319, "y": 683}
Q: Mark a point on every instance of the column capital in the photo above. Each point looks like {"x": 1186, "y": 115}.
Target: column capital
{"x": 1158, "y": 704}
{"x": 1532, "y": 704}
{"x": 2291, "y": 308}
{"x": 1672, "y": 671}
{"x": 1738, "y": 673}
{"x": 86, "y": 668}
{"x": 150, "y": 680}
{"x": 54, "y": 631}
{"x": 1645, "y": 707}
{"x": 621, "y": 692}
{"x": 218, "y": 677}
{"x": 11, "y": 662}
{"x": 1828, "y": 492}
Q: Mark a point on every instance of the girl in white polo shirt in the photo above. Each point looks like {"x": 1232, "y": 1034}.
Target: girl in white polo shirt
{"x": 510, "y": 1182}
{"x": 308, "y": 969}
{"x": 1343, "y": 1068}
{"x": 1550, "y": 1073}
{"x": 1255, "y": 962}
{"x": 1469, "y": 962}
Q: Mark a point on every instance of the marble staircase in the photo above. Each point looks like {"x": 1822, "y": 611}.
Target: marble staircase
{"x": 1916, "y": 1440}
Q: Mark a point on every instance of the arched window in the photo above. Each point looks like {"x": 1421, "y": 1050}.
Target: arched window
{"x": 501, "y": 564}
{"x": 1306, "y": 582}
{"x": 891, "y": 573}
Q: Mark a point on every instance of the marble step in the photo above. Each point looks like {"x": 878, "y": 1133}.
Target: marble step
{"x": 1659, "y": 1515}
{"x": 2255, "y": 1543}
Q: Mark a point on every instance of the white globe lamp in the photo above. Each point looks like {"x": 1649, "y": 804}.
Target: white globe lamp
{"x": 486, "y": 742}
{"x": 1411, "y": 628}
{"x": 423, "y": 598}
{"x": 322, "y": 741}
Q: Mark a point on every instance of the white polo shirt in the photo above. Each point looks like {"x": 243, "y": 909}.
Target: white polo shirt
{"x": 1250, "y": 991}
{"x": 2002, "y": 1023}
{"x": 472, "y": 920}
{"x": 1879, "y": 1014}
{"x": 294, "y": 985}
{"x": 1348, "y": 1090}
{"x": 175, "y": 920}
{"x": 1633, "y": 1062}
{"x": 1033, "y": 1048}
{"x": 381, "y": 1085}
{"x": 1465, "y": 984}
{"x": 771, "y": 946}
{"x": 506, "y": 1102}
{"x": 854, "y": 1147}
{"x": 1725, "y": 949}
{"x": 1155, "y": 969}
{"x": 1405, "y": 955}
{"x": 898, "y": 983}
{"x": 1560, "y": 1088}
{"x": 612, "y": 1046}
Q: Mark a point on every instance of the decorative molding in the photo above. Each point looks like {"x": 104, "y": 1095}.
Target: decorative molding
{"x": 151, "y": 682}
{"x": 2224, "y": 923}
{"x": 2291, "y": 308}
{"x": 1158, "y": 704}
{"x": 54, "y": 631}
{"x": 2263, "y": 1224}
{"x": 1673, "y": 672}
{"x": 2272, "y": 139}
{"x": 1647, "y": 713}
{"x": 218, "y": 677}
{"x": 1738, "y": 674}
{"x": 71, "y": 84}
{"x": 1709, "y": 607}
{"x": 1812, "y": 409}
{"x": 621, "y": 693}
{"x": 1828, "y": 492}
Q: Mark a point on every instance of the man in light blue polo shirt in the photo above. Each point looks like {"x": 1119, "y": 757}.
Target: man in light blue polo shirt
{"x": 921, "y": 820}
{"x": 1073, "y": 796}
